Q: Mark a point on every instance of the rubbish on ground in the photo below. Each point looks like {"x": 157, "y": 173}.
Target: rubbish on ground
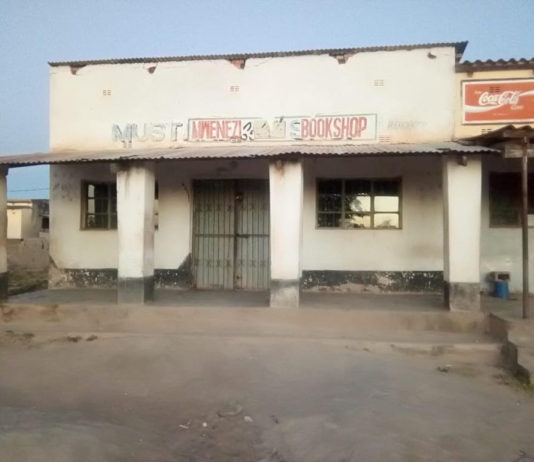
{"x": 445, "y": 368}
{"x": 247, "y": 418}
{"x": 230, "y": 412}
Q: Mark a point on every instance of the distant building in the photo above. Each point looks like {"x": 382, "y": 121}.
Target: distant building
{"x": 331, "y": 170}
{"x": 26, "y": 218}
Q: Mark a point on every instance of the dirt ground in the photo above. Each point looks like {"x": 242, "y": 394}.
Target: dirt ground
{"x": 161, "y": 397}
{"x": 24, "y": 280}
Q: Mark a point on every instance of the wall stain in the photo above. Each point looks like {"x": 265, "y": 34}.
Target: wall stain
{"x": 373, "y": 281}
{"x": 181, "y": 277}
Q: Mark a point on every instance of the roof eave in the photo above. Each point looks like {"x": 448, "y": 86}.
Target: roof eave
{"x": 490, "y": 65}
{"x": 245, "y": 152}
{"x": 458, "y": 46}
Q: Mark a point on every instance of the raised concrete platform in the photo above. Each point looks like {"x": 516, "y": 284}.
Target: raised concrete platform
{"x": 516, "y": 334}
{"x": 225, "y": 299}
{"x": 517, "y": 337}
{"x": 459, "y": 337}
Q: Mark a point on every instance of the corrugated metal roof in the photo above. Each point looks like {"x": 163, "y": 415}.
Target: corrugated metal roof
{"x": 502, "y": 134}
{"x": 491, "y": 65}
{"x": 459, "y": 46}
{"x": 242, "y": 152}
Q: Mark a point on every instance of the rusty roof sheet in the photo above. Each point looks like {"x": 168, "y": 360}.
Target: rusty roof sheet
{"x": 491, "y": 65}
{"x": 241, "y": 152}
{"x": 502, "y": 134}
{"x": 459, "y": 47}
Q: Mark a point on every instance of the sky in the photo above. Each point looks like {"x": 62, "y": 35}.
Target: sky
{"x": 35, "y": 32}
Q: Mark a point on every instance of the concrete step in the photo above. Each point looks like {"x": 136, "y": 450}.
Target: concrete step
{"x": 451, "y": 348}
{"x": 521, "y": 332}
{"x": 455, "y": 337}
{"x": 319, "y": 322}
{"x": 517, "y": 337}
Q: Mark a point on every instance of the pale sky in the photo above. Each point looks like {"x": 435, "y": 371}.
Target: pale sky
{"x": 35, "y": 32}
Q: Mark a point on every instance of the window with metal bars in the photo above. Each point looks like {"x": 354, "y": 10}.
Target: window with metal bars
{"x": 505, "y": 199}
{"x": 359, "y": 203}
{"x": 100, "y": 206}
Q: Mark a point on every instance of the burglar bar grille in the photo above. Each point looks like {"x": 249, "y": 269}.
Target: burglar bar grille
{"x": 231, "y": 234}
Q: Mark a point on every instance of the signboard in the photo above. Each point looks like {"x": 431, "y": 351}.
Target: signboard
{"x": 357, "y": 127}
{"x": 498, "y": 101}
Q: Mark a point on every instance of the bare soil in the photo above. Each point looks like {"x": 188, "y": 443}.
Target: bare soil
{"x": 163, "y": 397}
{"x": 21, "y": 281}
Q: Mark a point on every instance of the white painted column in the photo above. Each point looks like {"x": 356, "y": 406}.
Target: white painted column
{"x": 3, "y": 233}
{"x": 135, "y": 213}
{"x": 286, "y": 192}
{"x": 462, "y": 192}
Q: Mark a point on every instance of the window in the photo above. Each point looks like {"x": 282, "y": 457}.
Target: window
{"x": 100, "y": 206}
{"x": 358, "y": 203}
{"x": 505, "y": 198}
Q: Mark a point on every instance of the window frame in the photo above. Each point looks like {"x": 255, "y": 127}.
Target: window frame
{"x": 517, "y": 225}
{"x": 371, "y": 212}
{"x": 85, "y": 198}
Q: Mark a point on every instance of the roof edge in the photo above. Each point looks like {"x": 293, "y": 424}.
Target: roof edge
{"x": 495, "y": 65}
{"x": 458, "y": 46}
{"x": 245, "y": 152}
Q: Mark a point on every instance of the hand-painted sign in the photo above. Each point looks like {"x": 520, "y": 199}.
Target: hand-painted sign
{"x": 150, "y": 132}
{"x": 498, "y": 101}
{"x": 337, "y": 127}
{"x": 357, "y": 127}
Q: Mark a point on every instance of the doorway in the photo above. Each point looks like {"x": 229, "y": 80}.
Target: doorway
{"x": 231, "y": 234}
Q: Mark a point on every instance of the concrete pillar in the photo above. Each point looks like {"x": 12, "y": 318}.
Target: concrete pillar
{"x": 286, "y": 191}
{"x": 3, "y": 233}
{"x": 135, "y": 213}
{"x": 462, "y": 191}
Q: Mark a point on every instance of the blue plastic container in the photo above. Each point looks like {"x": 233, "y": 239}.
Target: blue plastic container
{"x": 500, "y": 289}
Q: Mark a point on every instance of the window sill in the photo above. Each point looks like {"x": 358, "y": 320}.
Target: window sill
{"x": 318, "y": 228}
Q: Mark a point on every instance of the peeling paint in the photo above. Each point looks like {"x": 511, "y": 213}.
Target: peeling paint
{"x": 373, "y": 281}
{"x": 239, "y": 63}
{"x": 181, "y": 277}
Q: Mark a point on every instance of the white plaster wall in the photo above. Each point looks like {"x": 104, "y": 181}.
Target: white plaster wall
{"x": 414, "y": 103}
{"x": 31, "y": 223}
{"x": 418, "y": 246}
{"x": 72, "y": 247}
{"x": 462, "y": 207}
{"x": 501, "y": 247}
{"x": 286, "y": 199}
{"x": 14, "y": 223}
{"x": 135, "y": 214}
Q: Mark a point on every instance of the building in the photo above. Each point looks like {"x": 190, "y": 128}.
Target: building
{"x": 493, "y": 96}
{"x": 26, "y": 218}
{"x": 337, "y": 170}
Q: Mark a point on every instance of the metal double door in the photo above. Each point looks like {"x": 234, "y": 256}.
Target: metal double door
{"x": 231, "y": 234}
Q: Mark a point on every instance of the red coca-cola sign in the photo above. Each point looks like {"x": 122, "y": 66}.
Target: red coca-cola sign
{"x": 498, "y": 101}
